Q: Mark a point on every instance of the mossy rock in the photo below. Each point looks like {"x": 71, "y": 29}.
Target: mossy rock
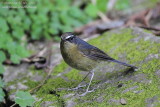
{"x": 116, "y": 85}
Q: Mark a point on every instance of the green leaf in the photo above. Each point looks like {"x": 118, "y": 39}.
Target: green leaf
{"x": 15, "y": 58}
{"x": 91, "y": 10}
{"x": 85, "y": 19}
{"x": 75, "y": 12}
{"x": 1, "y": 69}
{"x": 67, "y": 29}
{"x": 1, "y": 83}
{"x": 57, "y": 38}
{"x": 31, "y": 10}
{"x": 55, "y": 25}
{"x": 21, "y": 51}
{"x": 27, "y": 22}
{"x": 102, "y": 5}
{"x": 66, "y": 19}
{"x": 2, "y": 94}
{"x": 4, "y": 26}
{"x": 11, "y": 47}
{"x": 77, "y": 23}
{"x": 122, "y": 5}
{"x": 5, "y": 39}
{"x": 62, "y": 5}
{"x": 54, "y": 28}
{"x": 47, "y": 35}
{"x": 18, "y": 33}
{"x": 17, "y": 20}
{"x": 42, "y": 18}
{"x": 24, "y": 99}
{"x": 2, "y": 56}
{"x": 4, "y": 11}
{"x": 36, "y": 32}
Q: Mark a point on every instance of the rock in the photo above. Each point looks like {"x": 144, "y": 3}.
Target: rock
{"x": 157, "y": 73}
{"x": 116, "y": 84}
{"x": 151, "y": 102}
{"x": 130, "y": 89}
{"x": 123, "y": 101}
{"x": 70, "y": 103}
{"x": 131, "y": 45}
{"x": 47, "y": 104}
{"x": 24, "y": 76}
{"x": 100, "y": 99}
{"x": 113, "y": 102}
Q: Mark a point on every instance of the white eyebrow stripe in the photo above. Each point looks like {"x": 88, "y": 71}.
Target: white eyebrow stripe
{"x": 69, "y": 36}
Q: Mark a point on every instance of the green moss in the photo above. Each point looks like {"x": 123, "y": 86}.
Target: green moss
{"x": 31, "y": 84}
{"x": 49, "y": 91}
{"x": 112, "y": 43}
{"x": 34, "y": 71}
{"x": 74, "y": 75}
{"x": 58, "y": 101}
{"x": 137, "y": 52}
{"x": 151, "y": 66}
{"x": 147, "y": 31}
{"x": 111, "y": 92}
{"x": 115, "y": 44}
{"x": 60, "y": 68}
{"x": 15, "y": 82}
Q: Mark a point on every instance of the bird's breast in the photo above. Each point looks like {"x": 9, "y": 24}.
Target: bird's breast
{"x": 76, "y": 59}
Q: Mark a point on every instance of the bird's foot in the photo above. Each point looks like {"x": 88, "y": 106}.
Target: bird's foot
{"x": 87, "y": 91}
{"x": 76, "y": 88}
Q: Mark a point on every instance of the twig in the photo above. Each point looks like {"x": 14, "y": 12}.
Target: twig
{"x": 13, "y": 105}
{"x": 150, "y": 28}
{"x": 41, "y": 84}
{"x": 111, "y": 4}
{"x": 48, "y": 69}
{"x": 100, "y": 14}
{"x": 103, "y": 17}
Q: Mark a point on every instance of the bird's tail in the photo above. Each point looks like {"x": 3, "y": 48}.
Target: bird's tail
{"x": 122, "y": 63}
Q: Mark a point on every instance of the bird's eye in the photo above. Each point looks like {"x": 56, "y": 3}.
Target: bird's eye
{"x": 70, "y": 39}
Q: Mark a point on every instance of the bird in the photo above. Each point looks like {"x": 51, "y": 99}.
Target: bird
{"x": 83, "y": 56}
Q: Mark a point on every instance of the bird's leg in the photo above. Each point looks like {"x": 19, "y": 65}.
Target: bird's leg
{"x": 87, "y": 90}
{"x": 79, "y": 85}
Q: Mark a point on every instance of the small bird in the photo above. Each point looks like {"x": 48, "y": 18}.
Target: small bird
{"x": 83, "y": 56}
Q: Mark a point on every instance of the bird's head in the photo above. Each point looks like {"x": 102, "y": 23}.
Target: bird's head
{"x": 68, "y": 36}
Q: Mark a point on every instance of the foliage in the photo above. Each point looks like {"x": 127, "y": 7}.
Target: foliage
{"x": 42, "y": 19}
{"x": 1, "y": 90}
{"x": 24, "y": 99}
{"x": 122, "y": 5}
{"x": 91, "y": 10}
{"x": 2, "y": 58}
{"x": 101, "y": 6}
{"x": 1, "y": 95}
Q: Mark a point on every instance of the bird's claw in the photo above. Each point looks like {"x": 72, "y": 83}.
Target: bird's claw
{"x": 87, "y": 91}
{"x": 76, "y": 88}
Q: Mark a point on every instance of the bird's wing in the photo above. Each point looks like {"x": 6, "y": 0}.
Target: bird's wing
{"x": 96, "y": 54}
{"x": 92, "y": 52}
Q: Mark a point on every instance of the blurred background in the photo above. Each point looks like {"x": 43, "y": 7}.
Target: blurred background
{"x": 23, "y": 23}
